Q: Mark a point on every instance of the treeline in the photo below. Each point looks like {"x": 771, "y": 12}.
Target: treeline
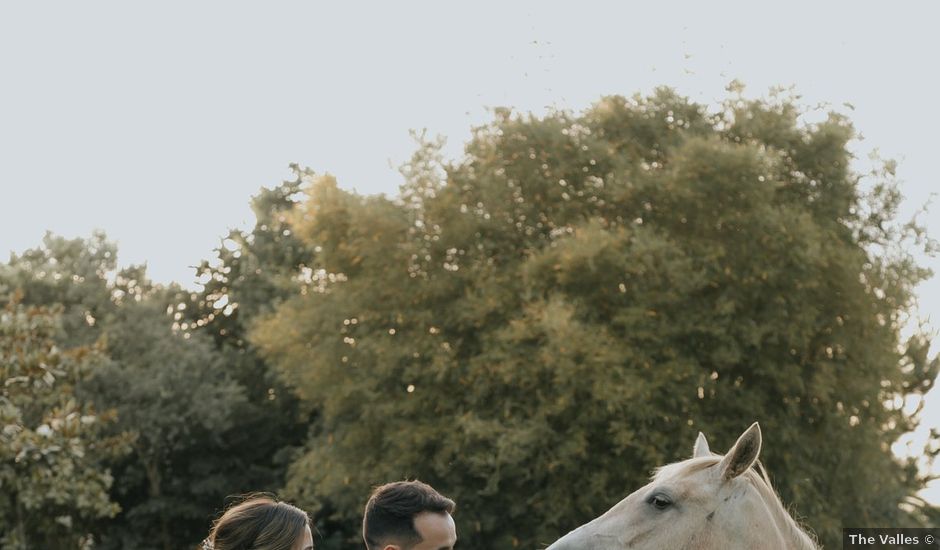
{"x": 531, "y": 329}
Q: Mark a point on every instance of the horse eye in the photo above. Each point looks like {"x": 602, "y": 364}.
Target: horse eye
{"x": 659, "y": 502}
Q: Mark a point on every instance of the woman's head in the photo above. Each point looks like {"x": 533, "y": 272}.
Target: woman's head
{"x": 261, "y": 523}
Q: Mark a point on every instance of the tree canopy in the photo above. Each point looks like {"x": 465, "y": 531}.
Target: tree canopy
{"x": 533, "y": 328}
{"x": 53, "y": 467}
{"x": 530, "y": 328}
{"x": 198, "y": 419}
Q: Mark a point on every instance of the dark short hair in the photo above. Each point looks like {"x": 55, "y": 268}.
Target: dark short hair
{"x": 390, "y": 512}
{"x": 258, "y": 522}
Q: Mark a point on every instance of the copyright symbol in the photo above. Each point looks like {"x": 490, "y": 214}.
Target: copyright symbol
{"x": 928, "y": 539}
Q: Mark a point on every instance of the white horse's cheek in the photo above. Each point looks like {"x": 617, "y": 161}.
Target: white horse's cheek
{"x": 704, "y": 541}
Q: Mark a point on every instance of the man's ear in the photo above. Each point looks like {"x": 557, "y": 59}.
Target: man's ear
{"x": 743, "y": 455}
{"x": 700, "y": 448}
{"x": 391, "y": 547}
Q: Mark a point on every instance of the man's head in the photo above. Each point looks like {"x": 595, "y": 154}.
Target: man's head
{"x": 408, "y": 515}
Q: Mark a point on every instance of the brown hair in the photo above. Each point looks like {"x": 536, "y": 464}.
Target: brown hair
{"x": 390, "y": 512}
{"x": 259, "y": 522}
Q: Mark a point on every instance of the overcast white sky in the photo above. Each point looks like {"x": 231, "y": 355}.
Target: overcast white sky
{"x": 157, "y": 122}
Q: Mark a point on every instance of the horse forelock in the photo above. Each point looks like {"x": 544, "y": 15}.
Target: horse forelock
{"x": 685, "y": 468}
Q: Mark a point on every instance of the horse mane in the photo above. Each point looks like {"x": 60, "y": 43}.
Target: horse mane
{"x": 758, "y": 478}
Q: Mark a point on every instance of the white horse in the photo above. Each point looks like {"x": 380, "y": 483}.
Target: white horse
{"x": 708, "y": 502}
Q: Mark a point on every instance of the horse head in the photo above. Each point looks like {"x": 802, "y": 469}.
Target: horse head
{"x": 707, "y": 502}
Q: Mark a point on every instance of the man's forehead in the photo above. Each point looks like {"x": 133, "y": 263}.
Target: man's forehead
{"x": 435, "y": 525}
{"x": 437, "y": 519}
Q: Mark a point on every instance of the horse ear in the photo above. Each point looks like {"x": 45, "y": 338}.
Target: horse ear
{"x": 700, "y": 448}
{"x": 743, "y": 455}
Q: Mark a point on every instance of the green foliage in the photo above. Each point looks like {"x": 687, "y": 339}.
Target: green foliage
{"x": 172, "y": 390}
{"x": 252, "y": 272}
{"x": 52, "y": 474}
{"x": 71, "y": 273}
{"x": 530, "y": 329}
{"x": 534, "y": 328}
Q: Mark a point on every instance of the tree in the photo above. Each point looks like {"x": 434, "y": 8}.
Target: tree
{"x": 174, "y": 392}
{"x": 171, "y": 390}
{"x": 534, "y": 328}
{"x": 52, "y": 453}
{"x": 252, "y": 272}
{"x": 72, "y": 273}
